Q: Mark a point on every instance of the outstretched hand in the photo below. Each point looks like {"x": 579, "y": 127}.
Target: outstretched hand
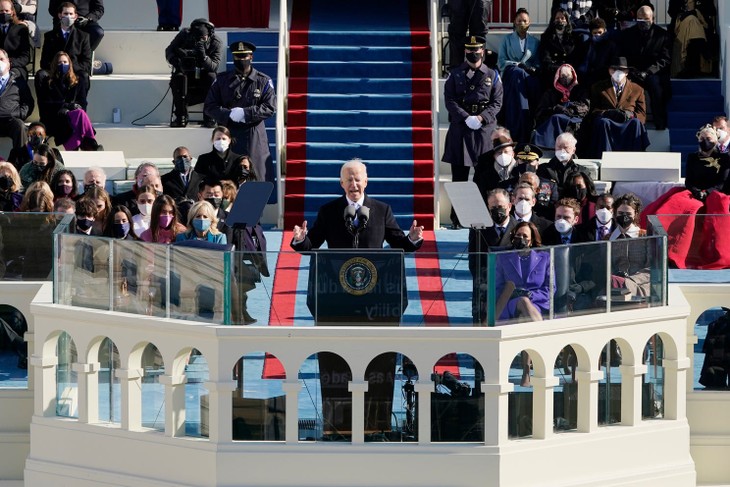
{"x": 415, "y": 233}
{"x": 300, "y": 232}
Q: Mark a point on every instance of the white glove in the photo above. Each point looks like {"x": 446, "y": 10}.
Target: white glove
{"x": 237, "y": 114}
{"x": 473, "y": 122}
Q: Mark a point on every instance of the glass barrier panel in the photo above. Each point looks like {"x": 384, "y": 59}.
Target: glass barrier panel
{"x": 83, "y": 271}
{"x": 27, "y": 245}
{"x": 134, "y": 266}
{"x": 638, "y": 275}
{"x": 252, "y": 277}
{"x": 457, "y": 403}
{"x": 13, "y": 348}
{"x": 196, "y": 284}
{"x": 711, "y": 355}
{"x": 580, "y": 279}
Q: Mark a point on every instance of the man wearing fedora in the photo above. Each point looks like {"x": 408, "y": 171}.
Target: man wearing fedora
{"x": 473, "y": 96}
{"x": 242, "y": 99}
{"x": 618, "y": 113}
{"x": 497, "y": 168}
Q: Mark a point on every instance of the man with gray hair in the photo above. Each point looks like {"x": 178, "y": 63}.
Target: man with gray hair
{"x": 143, "y": 172}
{"x": 94, "y": 176}
{"x": 16, "y": 103}
{"x": 562, "y": 166}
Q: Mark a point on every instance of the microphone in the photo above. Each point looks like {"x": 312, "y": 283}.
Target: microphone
{"x": 363, "y": 215}
{"x": 349, "y": 216}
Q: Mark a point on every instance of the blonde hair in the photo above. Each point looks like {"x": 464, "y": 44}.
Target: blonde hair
{"x": 6, "y": 167}
{"x": 38, "y": 197}
{"x": 206, "y": 209}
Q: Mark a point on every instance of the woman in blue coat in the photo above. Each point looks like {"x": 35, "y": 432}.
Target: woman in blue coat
{"x": 202, "y": 225}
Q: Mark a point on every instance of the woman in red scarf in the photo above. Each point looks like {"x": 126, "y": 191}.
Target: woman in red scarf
{"x": 561, "y": 108}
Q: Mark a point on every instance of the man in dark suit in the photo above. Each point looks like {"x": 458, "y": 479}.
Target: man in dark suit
{"x": 601, "y": 226}
{"x": 330, "y": 226}
{"x": 89, "y": 13}
{"x": 563, "y": 230}
{"x": 176, "y": 182}
{"x": 16, "y": 103}
{"x": 497, "y": 168}
{"x": 14, "y": 39}
{"x": 523, "y": 202}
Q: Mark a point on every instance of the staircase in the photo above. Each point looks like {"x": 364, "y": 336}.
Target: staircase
{"x": 694, "y": 103}
{"x": 360, "y": 87}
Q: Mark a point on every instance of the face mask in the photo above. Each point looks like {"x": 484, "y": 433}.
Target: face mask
{"x": 165, "y": 220}
{"x": 5, "y": 183}
{"x": 36, "y": 140}
{"x": 63, "y": 68}
{"x": 84, "y": 224}
{"x": 579, "y": 193}
{"x": 504, "y": 160}
{"x": 183, "y": 164}
{"x": 120, "y": 230}
{"x": 6, "y": 18}
{"x": 145, "y": 209}
{"x": 565, "y": 80}
{"x": 523, "y": 208}
{"x": 216, "y": 202}
{"x": 643, "y": 25}
{"x": 543, "y": 199}
{"x": 225, "y": 204}
{"x": 241, "y": 64}
{"x": 67, "y": 21}
{"x": 87, "y": 187}
{"x": 562, "y": 226}
{"x": 598, "y": 38}
{"x": 522, "y": 28}
{"x": 618, "y": 76}
{"x": 243, "y": 173}
{"x": 499, "y": 214}
{"x": 473, "y": 57}
{"x": 604, "y": 215}
{"x": 624, "y": 220}
{"x": 201, "y": 225}
{"x": 519, "y": 243}
{"x": 721, "y": 134}
{"x": 221, "y": 145}
{"x": 64, "y": 189}
{"x": 562, "y": 155}
{"x": 707, "y": 145}
{"x": 3, "y": 66}
{"x": 559, "y": 26}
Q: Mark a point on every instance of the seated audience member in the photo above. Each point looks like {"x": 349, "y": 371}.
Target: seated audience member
{"x": 519, "y": 62}
{"x": 707, "y": 172}
{"x": 164, "y": 224}
{"x": 564, "y": 229}
{"x": 220, "y": 162}
{"x": 145, "y": 170}
{"x": 618, "y": 113}
{"x": 42, "y": 168}
{"x": 119, "y": 224}
{"x": 579, "y": 13}
{"x": 145, "y": 199}
{"x": 194, "y": 54}
{"x": 528, "y": 158}
{"x": 202, "y": 225}
{"x": 67, "y": 37}
{"x": 495, "y": 169}
{"x": 103, "y": 205}
{"x": 64, "y": 205}
{"x": 557, "y": 44}
{"x": 14, "y": 39}
{"x": 25, "y": 10}
{"x": 723, "y": 133}
{"x": 38, "y": 198}
{"x": 581, "y": 187}
{"x": 561, "y": 167}
{"x": 36, "y": 136}
{"x": 561, "y": 108}
{"x": 63, "y": 185}
{"x": 594, "y": 55}
{"x": 690, "y": 42}
{"x": 87, "y": 19}
{"x": 546, "y": 193}
{"x": 211, "y": 190}
{"x": 526, "y": 273}
{"x": 176, "y": 183}
{"x": 646, "y": 48}
{"x": 246, "y": 171}
{"x": 85, "y": 217}
{"x": 602, "y": 225}
{"x": 10, "y": 188}
{"x": 629, "y": 257}
{"x": 94, "y": 176}
{"x": 16, "y": 103}
{"x": 62, "y": 106}
{"x": 523, "y": 201}
{"x": 229, "y": 190}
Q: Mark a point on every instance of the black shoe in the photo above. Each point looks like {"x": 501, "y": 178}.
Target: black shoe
{"x": 248, "y": 319}
{"x": 209, "y": 123}
{"x": 181, "y": 121}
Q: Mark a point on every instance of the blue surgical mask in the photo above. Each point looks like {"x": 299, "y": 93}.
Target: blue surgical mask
{"x": 120, "y": 230}
{"x": 201, "y": 225}
{"x": 63, "y": 68}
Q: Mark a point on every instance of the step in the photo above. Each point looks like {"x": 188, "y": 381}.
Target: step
{"x": 388, "y": 185}
{"x": 360, "y": 53}
{"x": 359, "y": 135}
{"x": 691, "y": 87}
{"x": 378, "y": 168}
{"x": 359, "y": 118}
{"x": 367, "y": 152}
{"x": 358, "y": 85}
{"x": 689, "y": 120}
{"x": 373, "y": 38}
{"x": 706, "y": 103}
{"x": 380, "y": 69}
{"x": 391, "y": 101}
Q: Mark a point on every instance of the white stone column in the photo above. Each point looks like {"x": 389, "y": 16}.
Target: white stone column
{"x": 291, "y": 389}
{"x": 358, "y": 390}
{"x": 542, "y": 406}
{"x": 131, "y": 387}
{"x": 424, "y": 390}
{"x": 496, "y": 412}
{"x": 44, "y": 370}
{"x": 175, "y": 412}
{"x": 631, "y": 389}
{"x": 220, "y": 411}
{"x": 87, "y": 377}
{"x": 588, "y": 399}
{"x": 675, "y": 387}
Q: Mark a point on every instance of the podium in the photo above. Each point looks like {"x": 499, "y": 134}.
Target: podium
{"x": 357, "y": 286}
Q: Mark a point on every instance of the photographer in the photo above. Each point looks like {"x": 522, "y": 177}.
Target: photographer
{"x": 194, "y": 55}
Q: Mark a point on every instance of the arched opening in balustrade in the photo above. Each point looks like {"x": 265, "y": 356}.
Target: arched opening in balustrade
{"x": 325, "y": 402}
{"x": 110, "y": 396}
{"x": 711, "y": 354}
{"x": 521, "y": 371}
{"x": 259, "y": 402}
{"x": 652, "y": 391}
{"x": 153, "y": 391}
{"x": 609, "y": 387}
{"x": 565, "y": 393}
{"x": 391, "y": 402}
{"x": 457, "y": 403}
{"x": 67, "y": 384}
{"x": 196, "y": 395}
{"x": 13, "y": 348}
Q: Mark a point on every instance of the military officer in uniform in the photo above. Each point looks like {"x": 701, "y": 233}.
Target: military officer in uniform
{"x": 242, "y": 100}
{"x": 473, "y": 95}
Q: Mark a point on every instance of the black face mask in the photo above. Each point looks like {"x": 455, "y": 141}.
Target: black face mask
{"x": 579, "y": 193}
{"x": 499, "y": 214}
{"x": 183, "y": 164}
{"x": 643, "y": 25}
{"x": 243, "y": 173}
{"x": 519, "y": 243}
{"x": 559, "y": 26}
{"x": 84, "y": 224}
{"x": 120, "y": 230}
{"x": 36, "y": 140}
{"x": 6, "y": 18}
{"x": 707, "y": 145}
{"x": 216, "y": 202}
{"x": 473, "y": 57}
{"x": 5, "y": 183}
{"x": 87, "y": 187}
{"x": 624, "y": 220}
{"x": 241, "y": 64}
{"x": 543, "y": 199}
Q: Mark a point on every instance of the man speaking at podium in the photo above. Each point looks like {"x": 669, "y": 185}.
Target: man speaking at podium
{"x": 355, "y": 220}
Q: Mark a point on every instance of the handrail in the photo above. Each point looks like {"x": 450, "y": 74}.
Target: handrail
{"x": 282, "y": 91}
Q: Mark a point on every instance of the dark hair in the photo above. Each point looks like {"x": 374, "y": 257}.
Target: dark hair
{"x": 534, "y": 233}
{"x": 604, "y": 197}
{"x": 67, "y": 5}
{"x": 70, "y": 76}
{"x": 208, "y": 182}
{"x": 597, "y": 23}
{"x": 719, "y": 118}
{"x": 63, "y": 204}
{"x": 224, "y": 130}
{"x": 252, "y": 176}
{"x": 109, "y": 223}
{"x": 45, "y": 150}
{"x": 85, "y": 207}
{"x": 160, "y": 201}
{"x": 568, "y": 26}
{"x": 629, "y": 199}
{"x": 519, "y": 11}
{"x": 54, "y": 184}
{"x": 36, "y": 124}
{"x": 587, "y": 179}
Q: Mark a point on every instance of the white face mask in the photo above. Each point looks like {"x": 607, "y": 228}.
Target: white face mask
{"x": 504, "y": 160}
{"x": 221, "y": 145}
{"x": 618, "y": 76}
{"x": 721, "y": 135}
{"x": 3, "y": 66}
{"x": 604, "y": 215}
{"x": 67, "y": 21}
{"x": 562, "y": 155}
{"x": 562, "y": 226}
{"x": 523, "y": 208}
{"x": 145, "y": 209}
